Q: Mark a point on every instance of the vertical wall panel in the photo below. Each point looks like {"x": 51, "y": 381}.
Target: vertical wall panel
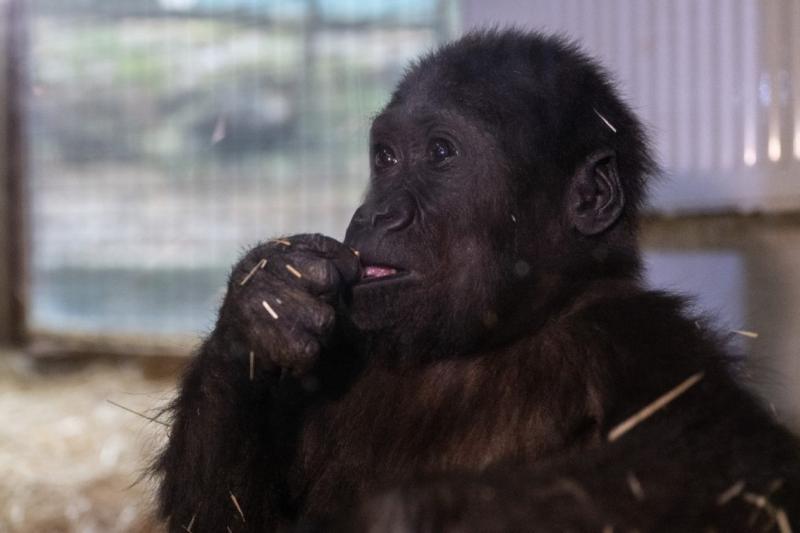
{"x": 751, "y": 83}
{"x": 727, "y": 124}
{"x": 794, "y": 43}
{"x": 704, "y": 78}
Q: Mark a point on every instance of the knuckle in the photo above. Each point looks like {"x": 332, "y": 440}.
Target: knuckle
{"x": 297, "y": 352}
{"x": 310, "y": 349}
{"x": 281, "y": 349}
{"x": 324, "y": 319}
{"x": 320, "y": 243}
{"x": 322, "y": 273}
{"x": 320, "y": 240}
{"x": 251, "y": 265}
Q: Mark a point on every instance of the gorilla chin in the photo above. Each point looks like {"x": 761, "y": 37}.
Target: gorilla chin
{"x": 384, "y": 293}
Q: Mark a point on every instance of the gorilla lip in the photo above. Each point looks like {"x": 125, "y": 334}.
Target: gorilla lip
{"x": 378, "y": 272}
{"x": 373, "y": 271}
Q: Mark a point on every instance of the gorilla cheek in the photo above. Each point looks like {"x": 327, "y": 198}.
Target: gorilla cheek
{"x": 472, "y": 278}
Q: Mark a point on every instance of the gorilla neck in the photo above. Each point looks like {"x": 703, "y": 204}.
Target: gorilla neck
{"x": 520, "y": 318}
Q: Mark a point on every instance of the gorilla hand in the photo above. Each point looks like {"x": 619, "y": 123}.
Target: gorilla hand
{"x": 282, "y": 297}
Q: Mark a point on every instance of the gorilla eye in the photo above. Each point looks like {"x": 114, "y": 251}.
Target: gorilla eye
{"x": 384, "y": 157}
{"x": 440, "y": 150}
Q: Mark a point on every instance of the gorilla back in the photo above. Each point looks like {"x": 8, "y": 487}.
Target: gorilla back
{"x": 479, "y": 354}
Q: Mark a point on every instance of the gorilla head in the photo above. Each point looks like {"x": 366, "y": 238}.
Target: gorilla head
{"x": 505, "y": 173}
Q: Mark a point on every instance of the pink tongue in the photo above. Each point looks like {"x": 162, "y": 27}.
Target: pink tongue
{"x": 378, "y": 271}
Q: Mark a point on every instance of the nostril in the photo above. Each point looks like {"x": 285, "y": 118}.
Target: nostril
{"x": 392, "y": 219}
{"x": 386, "y": 217}
{"x": 383, "y": 216}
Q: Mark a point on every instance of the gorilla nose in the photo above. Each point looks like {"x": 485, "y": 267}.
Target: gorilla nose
{"x": 391, "y": 217}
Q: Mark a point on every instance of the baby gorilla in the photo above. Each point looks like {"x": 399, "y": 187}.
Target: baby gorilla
{"x": 479, "y": 354}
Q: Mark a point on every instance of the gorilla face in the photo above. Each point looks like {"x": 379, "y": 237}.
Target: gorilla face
{"x": 429, "y": 230}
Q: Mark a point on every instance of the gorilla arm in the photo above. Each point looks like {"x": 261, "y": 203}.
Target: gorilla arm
{"x": 242, "y": 395}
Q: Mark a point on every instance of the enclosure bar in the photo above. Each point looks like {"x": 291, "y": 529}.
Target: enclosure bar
{"x": 12, "y": 167}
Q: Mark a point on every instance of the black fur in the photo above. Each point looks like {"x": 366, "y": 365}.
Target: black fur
{"x": 475, "y": 390}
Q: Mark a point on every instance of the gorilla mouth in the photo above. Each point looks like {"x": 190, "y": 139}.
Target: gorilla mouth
{"x": 371, "y": 273}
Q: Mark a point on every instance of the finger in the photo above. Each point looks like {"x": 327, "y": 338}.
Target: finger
{"x": 299, "y": 354}
{"x": 305, "y": 312}
{"x": 317, "y": 243}
{"x": 247, "y": 269}
{"x": 258, "y": 257}
{"x": 348, "y": 264}
{"x": 278, "y": 307}
{"x": 317, "y": 275}
{"x": 281, "y": 340}
{"x": 345, "y": 258}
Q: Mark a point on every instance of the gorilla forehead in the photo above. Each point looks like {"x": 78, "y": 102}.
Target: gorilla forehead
{"x": 540, "y": 97}
{"x": 484, "y": 68}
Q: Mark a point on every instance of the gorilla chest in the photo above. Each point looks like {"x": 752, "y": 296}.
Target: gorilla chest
{"x": 454, "y": 415}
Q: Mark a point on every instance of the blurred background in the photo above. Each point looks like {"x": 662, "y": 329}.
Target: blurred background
{"x": 144, "y": 144}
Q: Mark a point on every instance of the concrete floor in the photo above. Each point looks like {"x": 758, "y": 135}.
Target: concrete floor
{"x": 72, "y": 461}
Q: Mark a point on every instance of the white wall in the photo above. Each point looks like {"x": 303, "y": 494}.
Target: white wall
{"x": 716, "y": 81}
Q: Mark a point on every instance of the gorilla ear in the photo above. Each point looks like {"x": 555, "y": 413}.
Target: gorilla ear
{"x": 595, "y": 198}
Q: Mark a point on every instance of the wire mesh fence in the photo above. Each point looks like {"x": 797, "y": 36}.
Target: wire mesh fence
{"x": 166, "y": 136}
